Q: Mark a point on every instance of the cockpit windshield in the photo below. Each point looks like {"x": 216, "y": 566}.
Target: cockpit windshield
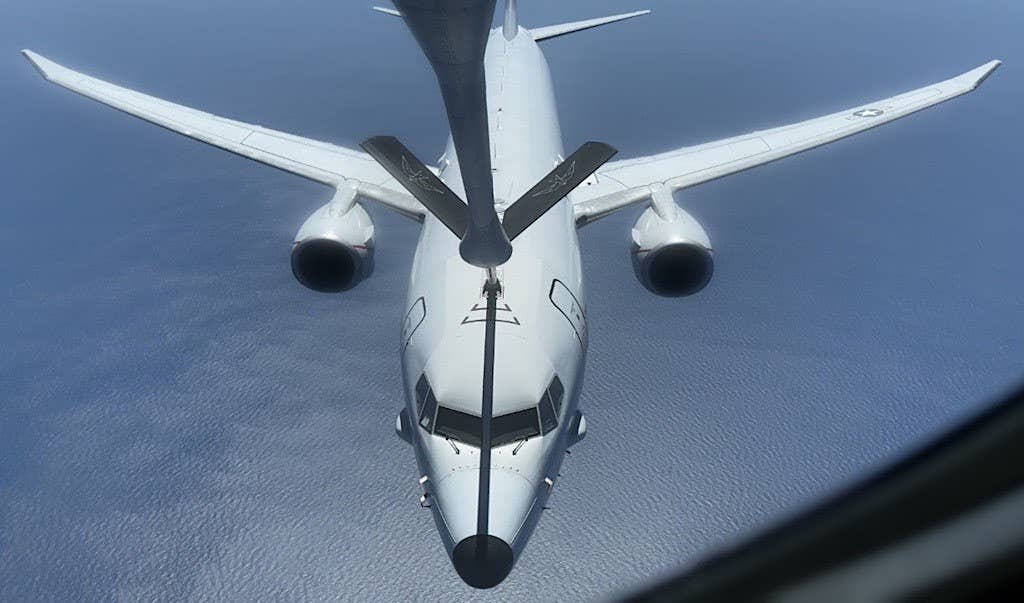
{"x": 467, "y": 428}
{"x": 457, "y": 425}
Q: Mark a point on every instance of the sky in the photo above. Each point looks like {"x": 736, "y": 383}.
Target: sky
{"x": 180, "y": 420}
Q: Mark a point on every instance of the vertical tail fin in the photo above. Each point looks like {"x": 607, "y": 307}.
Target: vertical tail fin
{"x": 511, "y": 26}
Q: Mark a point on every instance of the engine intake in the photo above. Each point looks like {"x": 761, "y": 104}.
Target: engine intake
{"x": 671, "y": 258}
{"x": 333, "y": 250}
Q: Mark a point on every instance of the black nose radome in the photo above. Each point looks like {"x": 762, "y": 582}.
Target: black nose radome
{"x": 482, "y": 561}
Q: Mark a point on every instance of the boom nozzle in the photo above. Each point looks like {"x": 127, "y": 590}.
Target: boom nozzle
{"x": 486, "y": 247}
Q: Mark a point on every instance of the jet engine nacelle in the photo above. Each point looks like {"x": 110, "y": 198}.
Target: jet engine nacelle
{"x": 671, "y": 257}
{"x": 333, "y": 250}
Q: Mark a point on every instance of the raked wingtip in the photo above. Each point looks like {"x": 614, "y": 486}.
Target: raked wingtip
{"x": 982, "y": 73}
{"x": 36, "y": 61}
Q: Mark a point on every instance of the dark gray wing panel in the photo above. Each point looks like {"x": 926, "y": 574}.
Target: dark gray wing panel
{"x": 555, "y": 186}
{"x": 419, "y": 181}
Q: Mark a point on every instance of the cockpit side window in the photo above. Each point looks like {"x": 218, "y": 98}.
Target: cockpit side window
{"x": 422, "y": 389}
{"x": 556, "y": 391}
{"x": 427, "y": 404}
{"x": 548, "y": 417}
{"x": 427, "y": 416}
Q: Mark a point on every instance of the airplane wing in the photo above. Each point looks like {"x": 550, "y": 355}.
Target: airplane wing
{"x": 623, "y": 183}
{"x": 325, "y": 163}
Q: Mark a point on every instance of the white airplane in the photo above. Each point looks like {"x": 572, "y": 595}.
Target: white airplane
{"x": 495, "y": 329}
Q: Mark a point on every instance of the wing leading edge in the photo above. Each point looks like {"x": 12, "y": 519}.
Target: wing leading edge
{"x": 318, "y": 161}
{"x": 624, "y": 183}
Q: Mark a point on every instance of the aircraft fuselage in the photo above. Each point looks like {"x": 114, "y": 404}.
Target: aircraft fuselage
{"x": 541, "y": 333}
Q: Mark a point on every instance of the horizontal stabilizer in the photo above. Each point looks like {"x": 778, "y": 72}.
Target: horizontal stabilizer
{"x": 555, "y": 186}
{"x": 554, "y": 31}
{"x": 420, "y": 182}
{"x": 387, "y": 11}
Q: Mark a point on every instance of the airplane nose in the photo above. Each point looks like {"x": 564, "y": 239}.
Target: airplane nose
{"x": 482, "y": 560}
